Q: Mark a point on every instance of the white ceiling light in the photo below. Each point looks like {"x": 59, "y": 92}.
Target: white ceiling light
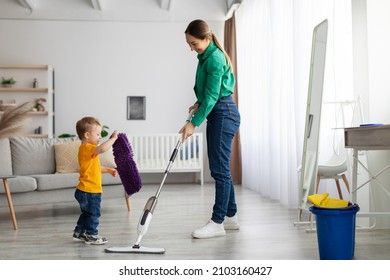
{"x": 28, "y": 4}
{"x": 232, "y": 6}
{"x": 97, "y": 4}
{"x": 165, "y": 4}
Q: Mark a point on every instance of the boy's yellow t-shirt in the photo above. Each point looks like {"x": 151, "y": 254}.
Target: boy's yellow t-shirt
{"x": 90, "y": 171}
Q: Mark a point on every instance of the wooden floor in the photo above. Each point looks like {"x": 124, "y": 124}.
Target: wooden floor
{"x": 267, "y": 230}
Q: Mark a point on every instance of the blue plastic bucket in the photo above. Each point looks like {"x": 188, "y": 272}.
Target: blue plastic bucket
{"x": 336, "y": 231}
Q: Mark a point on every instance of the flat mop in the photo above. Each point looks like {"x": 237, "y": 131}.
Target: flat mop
{"x": 147, "y": 215}
{"x": 126, "y": 166}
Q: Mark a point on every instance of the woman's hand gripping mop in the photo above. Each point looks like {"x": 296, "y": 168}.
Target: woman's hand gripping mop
{"x": 147, "y": 215}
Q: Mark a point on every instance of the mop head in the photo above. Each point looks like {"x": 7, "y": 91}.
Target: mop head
{"x": 126, "y": 166}
{"x": 135, "y": 250}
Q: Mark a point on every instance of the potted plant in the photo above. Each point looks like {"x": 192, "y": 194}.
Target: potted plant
{"x": 39, "y": 104}
{"x": 66, "y": 135}
{"x": 104, "y": 131}
{"x": 8, "y": 82}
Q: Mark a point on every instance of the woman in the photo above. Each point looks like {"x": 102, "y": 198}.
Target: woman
{"x": 214, "y": 85}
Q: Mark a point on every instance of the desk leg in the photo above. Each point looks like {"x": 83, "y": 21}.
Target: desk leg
{"x": 354, "y": 175}
{"x": 10, "y": 204}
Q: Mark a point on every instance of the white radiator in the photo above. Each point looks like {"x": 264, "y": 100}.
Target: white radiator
{"x": 153, "y": 152}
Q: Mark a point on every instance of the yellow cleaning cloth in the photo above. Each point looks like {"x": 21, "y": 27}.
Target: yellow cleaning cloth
{"x": 324, "y": 200}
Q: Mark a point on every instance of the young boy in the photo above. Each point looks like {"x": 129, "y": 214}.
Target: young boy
{"x": 89, "y": 189}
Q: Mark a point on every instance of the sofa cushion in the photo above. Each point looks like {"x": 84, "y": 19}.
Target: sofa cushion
{"x": 108, "y": 179}
{"x": 5, "y": 157}
{"x": 34, "y": 155}
{"x": 66, "y": 156}
{"x": 56, "y": 181}
{"x": 107, "y": 159}
{"x": 21, "y": 184}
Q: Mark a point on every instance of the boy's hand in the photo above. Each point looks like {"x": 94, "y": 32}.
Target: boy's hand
{"x": 114, "y": 135}
{"x": 112, "y": 171}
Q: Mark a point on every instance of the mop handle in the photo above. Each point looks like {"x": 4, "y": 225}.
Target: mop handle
{"x": 190, "y": 115}
{"x": 176, "y": 150}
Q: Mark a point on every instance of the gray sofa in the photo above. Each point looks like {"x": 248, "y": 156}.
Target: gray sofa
{"x": 34, "y": 163}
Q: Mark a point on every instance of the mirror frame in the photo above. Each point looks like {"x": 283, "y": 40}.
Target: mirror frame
{"x": 309, "y": 169}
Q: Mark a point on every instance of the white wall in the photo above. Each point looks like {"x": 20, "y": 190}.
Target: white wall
{"x": 101, "y": 57}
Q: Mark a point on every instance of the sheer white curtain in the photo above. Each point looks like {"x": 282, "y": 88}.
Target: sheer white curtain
{"x": 273, "y": 61}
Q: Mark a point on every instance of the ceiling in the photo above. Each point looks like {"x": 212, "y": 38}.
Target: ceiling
{"x": 117, "y": 10}
{"x": 100, "y": 5}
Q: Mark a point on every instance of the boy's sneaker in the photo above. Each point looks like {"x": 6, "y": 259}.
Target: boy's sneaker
{"x": 211, "y": 229}
{"x": 79, "y": 236}
{"x": 231, "y": 223}
{"x": 95, "y": 240}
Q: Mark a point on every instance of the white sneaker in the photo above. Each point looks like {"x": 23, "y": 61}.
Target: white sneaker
{"x": 211, "y": 229}
{"x": 231, "y": 223}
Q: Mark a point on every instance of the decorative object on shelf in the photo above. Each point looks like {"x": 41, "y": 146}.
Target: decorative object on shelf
{"x": 38, "y": 105}
{"x": 13, "y": 120}
{"x": 7, "y": 82}
{"x": 38, "y": 130}
{"x": 35, "y": 83}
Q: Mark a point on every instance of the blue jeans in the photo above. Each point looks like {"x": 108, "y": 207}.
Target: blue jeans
{"x": 90, "y": 212}
{"x": 222, "y": 124}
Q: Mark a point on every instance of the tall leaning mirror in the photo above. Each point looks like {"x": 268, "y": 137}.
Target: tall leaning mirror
{"x": 309, "y": 167}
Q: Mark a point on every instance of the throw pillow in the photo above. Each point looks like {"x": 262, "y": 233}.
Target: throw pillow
{"x": 107, "y": 159}
{"x": 66, "y": 157}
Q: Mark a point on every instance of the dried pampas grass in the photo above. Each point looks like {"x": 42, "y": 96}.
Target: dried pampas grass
{"x": 13, "y": 120}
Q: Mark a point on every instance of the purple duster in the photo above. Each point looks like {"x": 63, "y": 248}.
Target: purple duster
{"x": 125, "y": 164}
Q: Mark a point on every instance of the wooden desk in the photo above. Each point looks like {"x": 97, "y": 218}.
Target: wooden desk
{"x": 9, "y": 198}
{"x": 362, "y": 139}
